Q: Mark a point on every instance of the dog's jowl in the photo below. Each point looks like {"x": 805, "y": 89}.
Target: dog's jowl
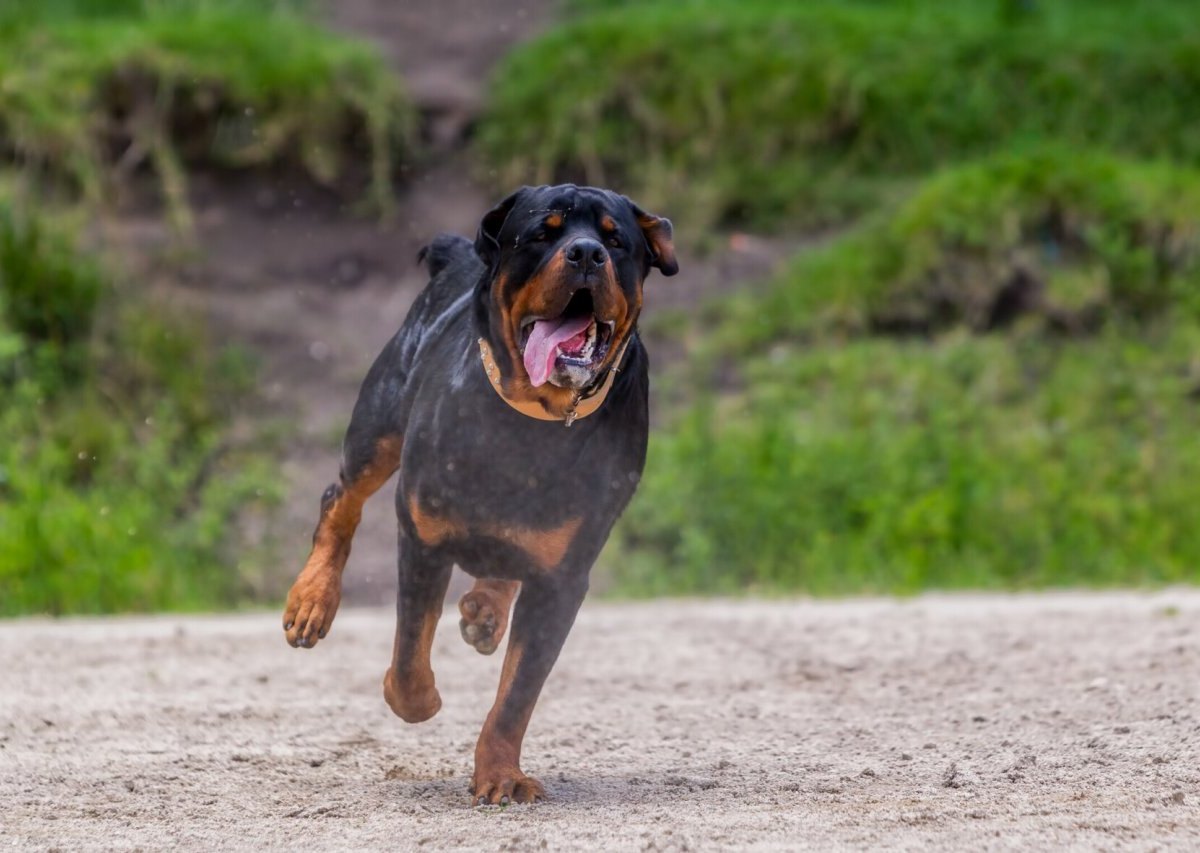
{"x": 513, "y": 403}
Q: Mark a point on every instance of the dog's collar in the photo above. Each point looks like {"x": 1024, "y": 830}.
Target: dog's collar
{"x": 583, "y": 404}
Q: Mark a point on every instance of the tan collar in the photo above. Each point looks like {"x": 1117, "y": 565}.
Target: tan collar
{"x": 580, "y": 406}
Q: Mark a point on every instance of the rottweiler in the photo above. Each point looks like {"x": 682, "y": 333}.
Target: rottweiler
{"x": 513, "y": 401}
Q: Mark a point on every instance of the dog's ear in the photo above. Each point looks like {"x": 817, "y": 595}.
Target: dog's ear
{"x": 487, "y": 239}
{"x": 658, "y": 233}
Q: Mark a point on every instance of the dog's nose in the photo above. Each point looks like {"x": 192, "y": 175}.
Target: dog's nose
{"x": 586, "y": 254}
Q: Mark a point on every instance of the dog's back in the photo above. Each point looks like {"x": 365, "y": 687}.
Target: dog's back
{"x": 450, "y": 251}
{"x": 454, "y": 268}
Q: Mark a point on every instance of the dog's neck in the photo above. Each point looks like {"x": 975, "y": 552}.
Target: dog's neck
{"x": 582, "y": 403}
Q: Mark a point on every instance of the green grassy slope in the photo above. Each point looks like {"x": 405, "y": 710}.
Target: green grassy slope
{"x": 120, "y": 486}
{"x": 894, "y": 430}
{"x": 761, "y": 112}
{"x": 92, "y": 91}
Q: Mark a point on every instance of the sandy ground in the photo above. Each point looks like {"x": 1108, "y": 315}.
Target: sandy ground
{"x": 989, "y": 723}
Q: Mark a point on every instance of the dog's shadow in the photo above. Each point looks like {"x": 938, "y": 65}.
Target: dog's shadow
{"x": 568, "y": 791}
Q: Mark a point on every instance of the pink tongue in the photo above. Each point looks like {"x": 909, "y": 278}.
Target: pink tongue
{"x": 544, "y": 341}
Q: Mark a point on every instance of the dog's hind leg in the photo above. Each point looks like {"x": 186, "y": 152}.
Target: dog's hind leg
{"x": 485, "y": 611}
{"x": 368, "y": 460}
{"x": 408, "y": 684}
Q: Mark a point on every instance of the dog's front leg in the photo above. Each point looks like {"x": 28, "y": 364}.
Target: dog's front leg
{"x": 368, "y": 461}
{"x": 542, "y": 619}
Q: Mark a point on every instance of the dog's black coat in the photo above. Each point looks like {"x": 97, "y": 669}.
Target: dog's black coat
{"x": 466, "y": 449}
{"x": 483, "y": 485}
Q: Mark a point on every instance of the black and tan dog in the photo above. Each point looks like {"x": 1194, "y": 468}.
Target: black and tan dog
{"x": 514, "y": 403}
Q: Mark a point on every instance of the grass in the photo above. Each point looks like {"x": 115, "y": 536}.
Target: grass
{"x": 760, "y": 112}
{"x": 120, "y": 486}
{"x": 93, "y": 92}
{"x": 1068, "y": 237}
{"x": 891, "y": 430}
{"x": 895, "y": 466}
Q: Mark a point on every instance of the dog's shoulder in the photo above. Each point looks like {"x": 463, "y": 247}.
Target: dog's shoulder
{"x": 454, "y": 269}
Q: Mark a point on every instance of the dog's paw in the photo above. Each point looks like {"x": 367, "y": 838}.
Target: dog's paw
{"x": 499, "y": 787}
{"x": 484, "y": 620}
{"x": 311, "y": 605}
{"x": 412, "y": 701}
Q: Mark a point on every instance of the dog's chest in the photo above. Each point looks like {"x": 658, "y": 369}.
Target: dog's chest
{"x": 507, "y": 502}
{"x": 541, "y": 472}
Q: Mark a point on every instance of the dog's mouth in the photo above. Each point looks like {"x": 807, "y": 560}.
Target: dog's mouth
{"x": 566, "y": 350}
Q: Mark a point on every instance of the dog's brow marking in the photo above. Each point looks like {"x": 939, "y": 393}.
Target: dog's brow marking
{"x": 554, "y": 219}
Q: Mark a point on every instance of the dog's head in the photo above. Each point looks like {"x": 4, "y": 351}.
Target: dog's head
{"x": 564, "y": 281}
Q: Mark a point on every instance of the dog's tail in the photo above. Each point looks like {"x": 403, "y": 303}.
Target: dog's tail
{"x": 443, "y": 251}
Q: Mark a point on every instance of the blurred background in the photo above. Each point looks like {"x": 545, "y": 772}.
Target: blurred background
{"x": 937, "y": 326}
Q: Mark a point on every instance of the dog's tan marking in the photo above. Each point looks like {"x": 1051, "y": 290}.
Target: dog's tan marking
{"x": 498, "y": 773}
{"x": 314, "y": 598}
{"x": 658, "y": 233}
{"x": 408, "y": 686}
{"x": 542, "y": 295}
{"x": 433, "y": 529}
{"x": 545, "y": 547}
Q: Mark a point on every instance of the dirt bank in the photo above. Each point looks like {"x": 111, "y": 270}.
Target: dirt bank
{"x": 1047, "y": 722}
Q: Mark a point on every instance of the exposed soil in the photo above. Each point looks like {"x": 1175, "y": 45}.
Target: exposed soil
{"x": 315, "y": 291}
{"x": 1046, "y": 722}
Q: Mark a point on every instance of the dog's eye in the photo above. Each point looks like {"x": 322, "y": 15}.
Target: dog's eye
{"x": 539, "y": 236}
{"x": 614, "y": 241}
